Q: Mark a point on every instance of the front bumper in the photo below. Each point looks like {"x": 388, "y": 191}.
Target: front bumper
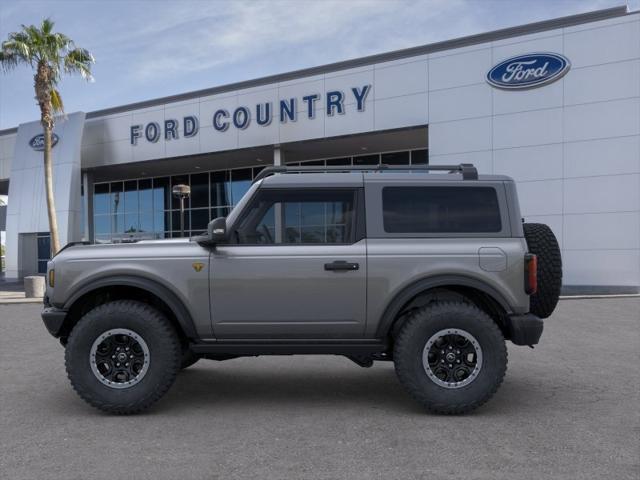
{"x": 525, "y": 329}
{"x": 53, "y": 319}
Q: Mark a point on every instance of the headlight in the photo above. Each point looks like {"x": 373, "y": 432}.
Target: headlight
{"x": 52, "y": 277}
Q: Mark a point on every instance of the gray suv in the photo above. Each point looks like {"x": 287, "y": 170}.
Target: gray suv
{"x": 430, "y": 270}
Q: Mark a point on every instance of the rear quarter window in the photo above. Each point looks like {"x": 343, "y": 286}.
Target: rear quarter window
{"x": 440, "y": 209}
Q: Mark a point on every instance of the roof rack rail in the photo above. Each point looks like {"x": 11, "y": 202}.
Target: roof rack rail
{"x": 468, "y": 170}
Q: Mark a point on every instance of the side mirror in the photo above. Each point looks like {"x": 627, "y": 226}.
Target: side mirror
{"x": 217, "y": 230}
{"x": 216, "y": 233}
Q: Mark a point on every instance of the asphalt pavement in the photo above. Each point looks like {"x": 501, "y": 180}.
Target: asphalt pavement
{"x": 569, "y": 409}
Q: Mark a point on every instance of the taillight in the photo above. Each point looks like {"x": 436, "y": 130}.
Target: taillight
{"x": 530, "y": 273}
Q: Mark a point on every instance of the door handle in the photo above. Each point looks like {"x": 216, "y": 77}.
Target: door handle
{"x": 341, "y": 265}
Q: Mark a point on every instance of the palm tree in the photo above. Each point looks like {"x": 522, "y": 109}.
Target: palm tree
{"x": 50, "y": 55}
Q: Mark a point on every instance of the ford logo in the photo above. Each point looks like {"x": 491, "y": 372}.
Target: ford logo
{"x": 528, "y": 71}
{"x": 37, "y": 142}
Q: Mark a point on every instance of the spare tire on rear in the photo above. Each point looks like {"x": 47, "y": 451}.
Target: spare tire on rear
{"x": 542, "y": 242}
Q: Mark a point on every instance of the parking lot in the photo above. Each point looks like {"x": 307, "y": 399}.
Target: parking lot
{"x": 567, "y": 409}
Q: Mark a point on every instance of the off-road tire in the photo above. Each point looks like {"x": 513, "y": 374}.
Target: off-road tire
{"x": 164, "y": 356}
{"x": 542, "y": 242}
{"x": 188, "y": 358}
{"x": 410, "y": 342}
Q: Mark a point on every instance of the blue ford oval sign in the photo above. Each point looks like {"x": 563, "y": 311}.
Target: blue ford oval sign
{"x": 37, "y": 142}
{"x": 528, "y": 71}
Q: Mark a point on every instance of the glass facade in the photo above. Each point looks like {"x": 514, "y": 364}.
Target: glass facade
{"x": 403, "y": 157}
{"x": 44, "y": 250}
{"x": 130, "y": 210}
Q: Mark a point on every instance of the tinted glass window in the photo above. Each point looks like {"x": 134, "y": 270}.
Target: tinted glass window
{"x": 395, "y": 158}
{"x": 440, "y": 210}
{"x": 306, "y": 217}
{"x": 101, "y": 198}
{"x": 200, "y": 190}
{"x": 240, "y": 183}
{"x": 419, "y": 157}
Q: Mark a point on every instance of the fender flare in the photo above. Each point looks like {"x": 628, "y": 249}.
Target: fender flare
{"x": 407, "y": 293}
{"x": 176, "y": 306}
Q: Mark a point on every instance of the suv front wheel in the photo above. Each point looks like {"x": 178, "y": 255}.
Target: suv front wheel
{"x": 122, "y": 356}
{"x": 450, "y": 356}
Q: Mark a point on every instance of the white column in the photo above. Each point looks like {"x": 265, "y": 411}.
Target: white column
{"x": 278, "y": 156}
{"x": 278, "y": 159}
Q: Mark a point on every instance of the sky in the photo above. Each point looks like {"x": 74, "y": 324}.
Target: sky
{"x": 147, "y": 49}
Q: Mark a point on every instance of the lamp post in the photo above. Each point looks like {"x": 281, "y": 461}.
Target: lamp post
{"x": 182, "y": 192}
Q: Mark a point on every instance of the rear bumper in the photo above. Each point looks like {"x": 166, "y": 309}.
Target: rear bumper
{"x": 53, "y": 319}
{"x": 525, "y": 329}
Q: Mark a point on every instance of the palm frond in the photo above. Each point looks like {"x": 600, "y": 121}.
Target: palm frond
{"x": 47, "y": 26}
{"x": 79, "y": 60}
{"x": 8, "y": 60}
{"x": 56, "y": 101}
{"x": 51, "y": 53}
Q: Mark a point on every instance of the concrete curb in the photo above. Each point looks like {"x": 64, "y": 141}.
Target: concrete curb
{"x": 13, "y": 301}
{"x": 584, "y": 297}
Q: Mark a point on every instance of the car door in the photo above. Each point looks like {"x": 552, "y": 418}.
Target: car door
{"x": 296, "y": 267}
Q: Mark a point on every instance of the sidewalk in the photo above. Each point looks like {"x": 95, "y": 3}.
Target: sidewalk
{"x": 13, "y": 292}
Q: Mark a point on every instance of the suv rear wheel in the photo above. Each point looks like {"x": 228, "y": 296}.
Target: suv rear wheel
{"x": 122, "y": 356}
{"x": 450, "y": 356}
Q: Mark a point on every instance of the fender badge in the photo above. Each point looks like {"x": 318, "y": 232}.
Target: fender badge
{"x": 197, "y": 266}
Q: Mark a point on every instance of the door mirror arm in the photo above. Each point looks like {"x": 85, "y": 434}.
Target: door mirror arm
{"x": 216, "y": 233}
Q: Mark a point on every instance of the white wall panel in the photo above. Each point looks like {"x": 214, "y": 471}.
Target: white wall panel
{"x": 249, "y": 98}
{"x": 601, "y": 267}
{"x": 301, "y": 89}
{"x": 403, "y": 79}
{"x": 5, "y": 167}
{"x": 527, "y": 128}
{"x": 603, "y": 45}
{"x": 482, "y": 160}
{"x": 460, "y": 136}
{"x": 212, "y": 105}
{"x": 303, "y": 129}
{"x": 601, "y": 120}
{"x": 397, "y": 112}
{"x": 350, "y": 122}
{"x": 614, "y": 193}
{"x": 609, "y": 156}
{"x": 346, "y": 81}
{"x": 507, "y": 101}
{"x": 94, "y": 132}
{"x": 212, "y": 140}
{"x": 118, "y": 127}
{"x": 540, "y": 198}
{"x": 596, "y": 231}
{"x": 460, "y": 69}
{"x": 7, "y": 145}
{"x": 602, "y": 82}
{"x": 182, "y": 145}
{"x": 255, "y": 134}
{"x": 92, "y": 155}
{"x": 529, "y": 163}
{"x": 117, "y": 152}
{"x": 460, "y": 103}
{"x": 546, "y": 42}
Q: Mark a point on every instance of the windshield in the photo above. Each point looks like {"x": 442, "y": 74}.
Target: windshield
{"x": 233, "y": 215}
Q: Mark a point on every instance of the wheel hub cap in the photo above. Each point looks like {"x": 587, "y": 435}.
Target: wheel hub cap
{"x": 119, "y": 358}
{"x": 452, "y": 358}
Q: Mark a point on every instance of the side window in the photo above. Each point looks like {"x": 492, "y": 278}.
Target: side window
{"x": 313, "y": 216}
{"x": 440, "y": 210}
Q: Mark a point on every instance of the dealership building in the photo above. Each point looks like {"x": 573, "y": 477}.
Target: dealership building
{"x": 553, "y": 104}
